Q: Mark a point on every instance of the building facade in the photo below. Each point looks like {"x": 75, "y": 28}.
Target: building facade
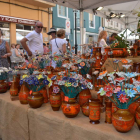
{"x": 92, "y": 23}
{"x": 112, "y": 26}
{"x": 17, "y": 18}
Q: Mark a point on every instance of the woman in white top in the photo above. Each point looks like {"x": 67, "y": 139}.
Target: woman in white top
{"x": 58, "y": 44}
{"x": 102, "y": 41}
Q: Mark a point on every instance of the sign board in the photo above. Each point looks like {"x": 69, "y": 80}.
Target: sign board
{"x": 67, "y": 27}
{"x": 17, "y": 20}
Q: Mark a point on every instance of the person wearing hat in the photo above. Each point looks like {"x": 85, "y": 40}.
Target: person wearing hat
{"x": 35, "y": 40}
{"x": 52, "y": 32}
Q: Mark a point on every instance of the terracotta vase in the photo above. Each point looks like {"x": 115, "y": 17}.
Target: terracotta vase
{"x": 85, "y": 109}
{"x": 123, "y": 120}
{"x": 101, "y": 98}
{"x": 118, "y": 52}
{"x": 136, "y": 68}
{"x": 108, "y": 111}
{"x": 23, "y": 94}
{"x": 114, "y": 108}
{"x": 55, "y": 101}
{"x": 133, "y": 107}
{"x": 14, "y": 89}
{"x": 44, "y": 93}
{"x": 84, "y": 96}
{"x": 16, "y": 78}
{"x": 70, "y": 108}
{"x": 62, "y": 95}
{"x": 35, "y": 99}
{"x": 3, "y": 86}
{"x": 138, "y": 117}
{"x": 94, "y": 111}
{"x": 107, "y": 53}
{"x": 98, "y": 58}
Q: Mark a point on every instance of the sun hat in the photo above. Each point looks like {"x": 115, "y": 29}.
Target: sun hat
{"x": 52, "y": 30}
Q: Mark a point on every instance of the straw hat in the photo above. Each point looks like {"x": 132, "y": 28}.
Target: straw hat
{"x": 52, "y": 30}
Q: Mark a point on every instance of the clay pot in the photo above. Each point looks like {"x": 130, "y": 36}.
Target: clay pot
{"x": 107, "y": 55}
{"x": 98, "y": 58}
{"x": 85, "y": 109}
{"x": 3, "y": 86}
{"x": 44, "y": 93}
{"x": 138, "y": 117}
{"x": 101, "y": 99}
{"x": 14, "y": 89}
{"x": 133, "y": 107}
{"x": 23, "y": 94}
{"x": 136, "y": 68}
{"x": 114, "y": 108}
{"x": 118, "y": 52}
{"x": 123, "y": 120}
{"x": 55, "y": 101}
{"x": 108, "y": 111}
{"x": 70, "y": 108}
{"x": 94, "y": 111}
{"x": 35, "y": 99}
{"x": 16, "y": 78}
{"x": 84, "y": 96}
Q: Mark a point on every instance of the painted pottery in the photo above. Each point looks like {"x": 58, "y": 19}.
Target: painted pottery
{"x": 85, "y": 109}
{"x": 35, "y": 99}
{"x": 44, "y": 93}
{"x": 94, "y": 111}
{"x": 3, "y": 86}
{"x": 70, "y": 108}
{"x": 123, "y": 120}
{"x": 101, "y": 99}
{"x": 138, "y": 117}
{"x": 14, "y": 89}
{"x": 84, "y": 96}
{"x": 55, "y": 101}
{"x": 98, "y": 58}
{"x": 133, "y": 107}
{"x": 108, "y": 111}
{"x": 114, "y": 108}
{"x": 23, "y": 94}
{"x": 118, "y": 52}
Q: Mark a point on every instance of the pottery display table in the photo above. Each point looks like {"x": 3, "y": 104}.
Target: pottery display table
{"x": 20, "y": 122}
{"x": 110, "y": 66}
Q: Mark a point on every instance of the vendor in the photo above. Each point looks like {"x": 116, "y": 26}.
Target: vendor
{"x": 102, "y": 41}
{"x": 35, "y": 44}
{"x": 110, "y": 40}
{"x": 4, "y": 52}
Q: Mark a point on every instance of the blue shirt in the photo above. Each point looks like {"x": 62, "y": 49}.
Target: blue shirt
{"x": 108, "y": 42}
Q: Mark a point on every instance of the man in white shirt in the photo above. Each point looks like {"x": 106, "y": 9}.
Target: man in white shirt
{"x": 35, "y": 44}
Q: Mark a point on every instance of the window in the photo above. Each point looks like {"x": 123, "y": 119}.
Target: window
{"x": 24, "y": 27}
{"x": 116, "y": 24}
{"x": 62, "y": 11}
{"x": 6, "y": 31}
{"x": 91, "y": 21}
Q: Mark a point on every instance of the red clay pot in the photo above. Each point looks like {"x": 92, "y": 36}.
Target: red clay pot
{"x": 85, "y": 109}
{"x": 70, "y": 108}
{"x": 14, "y": 89}
{"x": 118, "y": 52}
{"x": 55, "y": 101}
{"x": 84, "y": 96}
{"x": 94, "y": 111}
{"x": 3, "y": 86}
{"x": 123, "y": 120}
{"x": 23, "y": 94}
{"x": 44, "y": 93}
{"x": 35, "y": 99}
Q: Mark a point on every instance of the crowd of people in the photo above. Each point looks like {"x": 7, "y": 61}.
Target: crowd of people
{"x": 33, "y": 44}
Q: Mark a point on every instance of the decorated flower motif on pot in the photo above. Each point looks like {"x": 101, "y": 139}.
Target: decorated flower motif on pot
{"x": 56, "y": 89}
{"x": 124, "y": 61}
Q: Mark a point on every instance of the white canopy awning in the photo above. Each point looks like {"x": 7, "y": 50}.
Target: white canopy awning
{"x": 86, "y": 4}
{"x": 128, "y": 34}
{"x": 129, "y": 9}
